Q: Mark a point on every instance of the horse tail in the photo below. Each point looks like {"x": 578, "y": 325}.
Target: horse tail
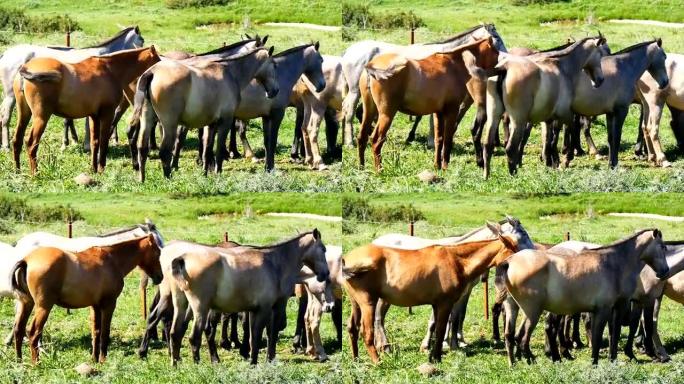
{"x": 18, "y": 276}
{"x": 42, "y": 76}
{"x": 179, "y": 273}
{"x": 383, "y": 71}
{"x": 501, "y": 77}
{"x": 141, "y": 93}
{"x": 349, "y": 271}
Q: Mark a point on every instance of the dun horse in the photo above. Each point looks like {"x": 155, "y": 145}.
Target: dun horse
{"x": 92, "y": 278}
{"x": 90, "y": 88}
{"x": 534, "y": 89}
{"x": 224, "y": 281}
{"x": 205, "y": 93}
{"x": 436, "y": 84}
{"x": 600, "y": 281}
{"x": 436, "y": 275}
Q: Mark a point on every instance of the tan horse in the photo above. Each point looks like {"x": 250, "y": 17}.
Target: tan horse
{"x": 435, "y": 275}
{"x": 93, "y": 278}
{"x": 91, "y": 88}
{"x": 436, "y": 84}
{"x": 203, "y": 93}
{"x": 600, "y": 280}
{"x": 536, "y": 88}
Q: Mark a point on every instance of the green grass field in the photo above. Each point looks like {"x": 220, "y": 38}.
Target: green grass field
{"x": 546, "y": 219}
{"x": 67, "y": 338}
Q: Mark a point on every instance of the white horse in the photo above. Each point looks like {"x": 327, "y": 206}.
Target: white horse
{"x": 361, "y": 53}
{"x": 14, "y": 57}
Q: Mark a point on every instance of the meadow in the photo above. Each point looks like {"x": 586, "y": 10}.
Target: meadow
{"x": 243, "y": 217}
{"x": 546, "y": 219}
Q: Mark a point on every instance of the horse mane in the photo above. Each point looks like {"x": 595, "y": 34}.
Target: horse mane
{"x": 560, "y": 47}
{"x": 111, "y": 39}
{"x": 228, "y": 47}
{"x": 463, "y": 47}
{"x": 122, "y": 230}
{"x": 623, "y": 240}
{"x": 238, "y": 56}
{"x": 633, "y": 47}
{"x": 293, "y": 49}
{"x": 565, "y": 51}
{"x": 279, "y": 244}
{"x": 460, "y": 35}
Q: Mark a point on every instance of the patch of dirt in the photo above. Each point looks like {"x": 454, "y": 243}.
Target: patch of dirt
{"x": 653, "y": 23}
{"x": 653, "y": 216}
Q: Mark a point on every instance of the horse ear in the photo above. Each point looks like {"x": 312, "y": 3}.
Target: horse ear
{"x": 317, "y": 45}
{"x": 659, "y": 41}
{"x": 270, "y": 51}
{"x": 494, "y": 227}
{"x": 248, "y": 36}
{"x": 153, "y": 49}
{"x": 263, "y": 39}
{"x": 316, "y": 234}
{"x": 657, "y": 234}
{"x": 137, "y": 29}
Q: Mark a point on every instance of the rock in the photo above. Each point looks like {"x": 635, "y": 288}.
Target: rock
{"x": 427, "y": 369}
{"x": 84, "y": 369}
{"x": 427, "y": 176}
{"x": 84, "y": 180}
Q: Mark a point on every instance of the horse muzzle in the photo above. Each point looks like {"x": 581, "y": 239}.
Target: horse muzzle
{"x": 320, "y": 87}
{"x": 597, "y": 82}
{"x": 157, "y": 279}
{"x": 321, "y": 277}
{"x": 663, "y": 275}
{"x": 272, "y": 93}
{"x": 328, "y": 307}
{"x": 664, "y": 84}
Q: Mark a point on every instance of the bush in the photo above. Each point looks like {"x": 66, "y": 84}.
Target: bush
{"x": 360, "y": 15}
{"x": 361, "y": 210}
{"x": 179, "y": 4}
{"x": 19, "y": 210}
{"x": 18, "y": 21}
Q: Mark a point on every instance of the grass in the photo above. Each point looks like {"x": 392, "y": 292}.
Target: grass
{"x": 546, "y": 219}
{"x": 201, "y": 219}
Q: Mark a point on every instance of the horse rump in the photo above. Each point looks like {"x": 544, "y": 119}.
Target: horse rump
{"x": 42, "y": 76}
{"x": 141, "y": 93}
{"x": 19, "y": 284}
{"x": 179, "y": 273}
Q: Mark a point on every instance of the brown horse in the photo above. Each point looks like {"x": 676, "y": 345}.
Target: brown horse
{"x": 436, "y": 84}
{"x": 93, "y": 278}
{"x": 435, "y": 275}
{"x": 91, "y": 88}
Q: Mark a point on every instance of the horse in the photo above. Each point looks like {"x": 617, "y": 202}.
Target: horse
{"x": 302, "y": 61}
{"x": 221, "y": 53}
{"x": 89, "y": 88}
{"x": 358, "y": 55}
{"x": 435, "y": 275}
{"x": 536, "y": 88}
{"x": 93, "y": 278}
{"x": 315, "y": 106}
{"x": 203, "y": 93}
{"x": 435, "y": 84}
{"x": 224, "y": 281}
{"x": 621, "y": 71}
{"x": 16, "y": 56}
{"x": 599, "y": 280}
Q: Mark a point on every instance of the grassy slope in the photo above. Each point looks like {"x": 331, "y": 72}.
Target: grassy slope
{"x": 67, "y": 339}
{"x": 546, "y": 220}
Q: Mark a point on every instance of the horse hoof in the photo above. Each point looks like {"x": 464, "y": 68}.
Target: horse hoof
{"x": 142, "y": 354}
{"x": 665, "y": 164}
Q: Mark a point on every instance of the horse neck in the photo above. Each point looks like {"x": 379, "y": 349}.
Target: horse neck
{"x": 465, "y": 39}
{"x": 118, "y": 44}
{"x": 125, "y": 256}
{"x": 127, "y": 66}
{"x": 572, "y": 63}
{"x": 286, "y": 257}
{"x": 290, "y": 68}
{"x": 477, "y": 257}
{"x": 625, "y": 257}
{"x": 243, "y": 69}
{"x": 636, "y": 60}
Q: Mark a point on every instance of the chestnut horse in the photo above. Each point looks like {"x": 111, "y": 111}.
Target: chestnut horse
{"x": 435, "y": 84}
{"x": 436, "y": 275}
{"x": 91, "y": 88}
{"x": 93, "y": 278}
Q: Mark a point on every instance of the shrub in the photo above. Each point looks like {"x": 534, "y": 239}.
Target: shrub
{"x": 19, "y": 210}
{"x": 360, "y": 15}
{"x": 360, "y": 210}
{"x": 18, "y": 21}
{"x": 179, "y": 4}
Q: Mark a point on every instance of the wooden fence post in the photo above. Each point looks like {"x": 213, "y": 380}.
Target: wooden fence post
{"x": 69, "y": 228}
{"x": 410, "y": 310}
{"x": 68, "y": 38}
{"x": 566, "y": 236}
{"x": 225, "y": 236}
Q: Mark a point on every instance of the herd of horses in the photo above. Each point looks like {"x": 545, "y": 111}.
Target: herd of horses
{"x": 209, "y": 283}
{"x": 217, "y": 92}
{"x": 618, "y": 284}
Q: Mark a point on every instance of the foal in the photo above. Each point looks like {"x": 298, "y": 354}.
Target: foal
{"x": 93, "y": 278}
{"x": 91, "y": 88}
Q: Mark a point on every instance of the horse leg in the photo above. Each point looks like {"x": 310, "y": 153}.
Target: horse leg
{"x": 564, "y": 337}
{"x": 337, "y": 321}
{"x": 370, "y": 113}
{"x": 677, "y": 125}
{"x": 353, "y": 328}
{"x": 162, "y": 306}
{"x": 599, "y": 319}
{"x": 95, "y": 331}
{"x": 6, "y": 108}
{"x": 532, "y": 317}
{"x": 242, "y": 130}
{"x": 225, "y": 337}
{"x": 36, "y": 331}
{"x": 314, "y": 124}
{"x": 653, "y": 129}
{"x": 298, "y": 131}
{"x": 306, "y": 140}
{"x": 476, "y": 132}
{"x": 23, "y": 118}
{"x": 208, "y": 146}
{"x": 234, "y": 337}
{"x": 658, "y": 348}
{"x": 576, "y": 339}
{"x": 200, "y": 146}
{"x": 39, "y": 125}
{"x": 367, "y": 326}
{"x": 634, "y": 317}
{"x": 223, "y": 127}
{"x": 553, "y": 323}
{"x": 617, "y": 315}
{"x": 272, "y": 125}
{"x": 411, "y": 137}
{"x": 23, "y": 311}
{"x": 313, "y": 335}
{"x": 201, "y": 314}
{"x": 442, "y": 312}
{"x": 257, "y": 322}
{"x": 178, "y": 145}
{"x": 180, "y": 307}
{"x": 496, "y": 313}
{"x": 348, "y": 109}
{"x": 495, "y": 110}
{"x": 105, "y": 124}
{"x": 233, "y": 152}
{"x": 425, "y": 344}
{"x": 132, "y": 135}
{"x": 299, "y": 341}
{"x": 511, "y": 314}
{"x": 142, "y": 134}
{"x": 244, "y": 347}
{"x": 381, "y": 342}
{"x": 451, "y": 121}
{"x": 105, "y": 327}
{"x": 332, "y": 127}
{"x": 210, "y": 334}
{"x": 65, "y": 138}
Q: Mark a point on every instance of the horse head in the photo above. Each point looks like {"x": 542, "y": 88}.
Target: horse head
{"x": 513, "y": 237}
{"x": 490, "y": 31}
{"x": 654, "y": 253}
{"x": 266, "y": 74}
{"x": 149, "y": 262}
{"x": 657, "y": 67}
{"x": 313, "y": 66}
{"x": 592, "y": 64}
{"x": 134, "y": 39}
{"x": 313, "y": 254}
